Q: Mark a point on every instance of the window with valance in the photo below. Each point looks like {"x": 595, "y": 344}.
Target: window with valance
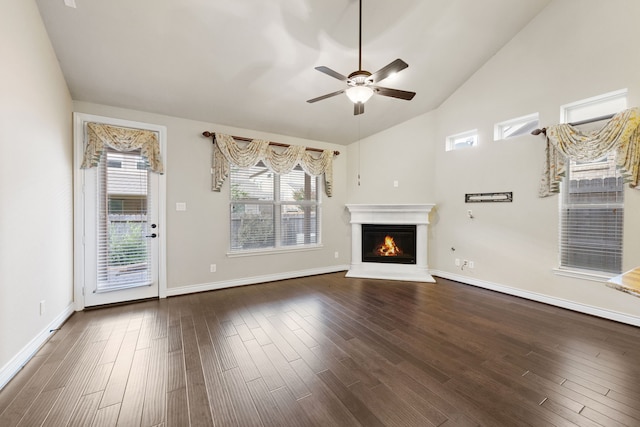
{"x": 275, "y": 198}
{"x": 589, "y": 168}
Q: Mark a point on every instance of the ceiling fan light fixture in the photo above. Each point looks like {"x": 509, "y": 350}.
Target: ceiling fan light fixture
{"x": 361, "y": 84}
{"x": 359, "y": 94}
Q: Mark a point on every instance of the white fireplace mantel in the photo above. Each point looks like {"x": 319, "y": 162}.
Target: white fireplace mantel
{"x": 417, "y": 215}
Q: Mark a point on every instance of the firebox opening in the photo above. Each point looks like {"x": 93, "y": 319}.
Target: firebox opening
{"x": 389, "y": 243}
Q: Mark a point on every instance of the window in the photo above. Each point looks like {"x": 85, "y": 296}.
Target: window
{"x": 592, "y": 202}
{"x": 270, "y": 211}
{"x": 592, "y": 217}
{"x": 515, "y": 127}
{"x": 462, "y": 140}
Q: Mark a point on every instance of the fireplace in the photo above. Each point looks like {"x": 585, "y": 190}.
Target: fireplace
{"x": 405, "y": 258}
{"x": 389, "y": 243}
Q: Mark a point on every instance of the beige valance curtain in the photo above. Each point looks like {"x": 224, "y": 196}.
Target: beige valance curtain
{"x": 621, "y": 134}
{"x": 226, "y": 152}
{"x": 121, "y": 139}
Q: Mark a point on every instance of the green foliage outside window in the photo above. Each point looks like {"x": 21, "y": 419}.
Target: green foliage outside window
{"x": 129, "y": 247}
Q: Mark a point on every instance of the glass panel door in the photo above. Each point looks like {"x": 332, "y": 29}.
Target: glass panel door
{"x": 121, "y": 229}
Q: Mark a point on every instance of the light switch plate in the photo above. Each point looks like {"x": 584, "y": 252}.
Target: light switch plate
{"x": 181, "y": 206}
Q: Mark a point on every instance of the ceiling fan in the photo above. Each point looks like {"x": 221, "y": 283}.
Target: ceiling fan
{"x": 361, "y": 84}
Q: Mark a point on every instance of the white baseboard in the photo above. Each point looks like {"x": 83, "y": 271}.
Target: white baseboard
{"x": 189, "y": 289}
{"x": 9, "y": 370}
{"x": 558, "y": 302}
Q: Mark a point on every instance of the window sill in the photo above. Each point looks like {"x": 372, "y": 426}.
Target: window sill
{"x": 594, "y": 276}
{"x": 271, "y": 251}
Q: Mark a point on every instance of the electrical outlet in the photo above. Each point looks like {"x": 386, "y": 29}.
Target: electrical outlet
{"x": 336, "y": 254}
{"x": 212, "y": 268}
{"x": 471, "y": 264}
{"x": 457, "y": 262}
{"x": 42, "y": 308}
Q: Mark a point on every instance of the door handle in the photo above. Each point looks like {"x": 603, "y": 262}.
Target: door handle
{"x": 152, "y": 235}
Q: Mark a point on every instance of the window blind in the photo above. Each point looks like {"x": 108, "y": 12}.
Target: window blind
{"x": 123, "y": 197}
{"x": 592, "y": 224}
{"x": 298, "y": 197}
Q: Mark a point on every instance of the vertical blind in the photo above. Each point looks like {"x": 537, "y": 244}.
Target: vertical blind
{"x": 123, "y": 196}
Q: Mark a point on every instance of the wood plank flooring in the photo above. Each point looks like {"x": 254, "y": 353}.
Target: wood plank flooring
{"x": 331, "y": 351}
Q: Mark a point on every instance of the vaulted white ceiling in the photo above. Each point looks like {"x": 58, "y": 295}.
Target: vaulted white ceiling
{"x": 250, "y": 63}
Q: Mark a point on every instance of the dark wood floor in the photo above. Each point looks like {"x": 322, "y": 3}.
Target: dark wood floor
{"x": 330, "y": 351}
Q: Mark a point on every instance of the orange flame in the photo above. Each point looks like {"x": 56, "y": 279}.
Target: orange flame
{"x": 388, "y": 248}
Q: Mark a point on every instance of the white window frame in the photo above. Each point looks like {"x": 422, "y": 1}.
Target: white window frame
{"x": 277, "y": 204}
{"x": 613, "y": 102}
{"x": 500, "y": 129}
{"x": 589, "y": 108}
{"x": 452, "y": 140}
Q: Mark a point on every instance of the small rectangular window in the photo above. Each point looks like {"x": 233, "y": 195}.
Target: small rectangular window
{"x": 515, "y": 127}
{"x": 462, "y": 140}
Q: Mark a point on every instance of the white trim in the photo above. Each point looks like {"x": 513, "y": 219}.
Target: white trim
{"x": 533, "y": 296}
{"x": 78, "y": 198}
{"x": 11, "y": 368}
{"x": 583, "y": 274}
{"x": 619, "y": 94}
{"x": 189, "y": 289}
{"x": 271, "y": 251}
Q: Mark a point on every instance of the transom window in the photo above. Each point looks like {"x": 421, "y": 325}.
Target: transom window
{"x": 462, "y": 140}
{"x": 271, "y": 211}
{"x": 515, "y": 127}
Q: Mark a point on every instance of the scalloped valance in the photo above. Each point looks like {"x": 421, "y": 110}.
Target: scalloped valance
{"x": 621, "y": 134}
{"x": 227, "y": 152}
{"x": 100, "y": 135}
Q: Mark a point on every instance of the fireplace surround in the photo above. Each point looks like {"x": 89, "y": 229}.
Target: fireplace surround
{"x": 389, "y": 216}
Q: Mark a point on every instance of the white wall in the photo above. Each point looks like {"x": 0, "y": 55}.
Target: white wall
{"x": 573, "y": 49}
{"x": 199, "y": 236}
{"x": 36, "y": 214}
{"x": 405, "y": 154}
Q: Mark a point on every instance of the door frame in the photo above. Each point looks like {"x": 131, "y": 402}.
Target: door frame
{"x": 79, "y": 120}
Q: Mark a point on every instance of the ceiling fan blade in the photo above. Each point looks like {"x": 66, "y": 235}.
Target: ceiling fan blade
{"x": 384, "y": 72}
{"x": 328, "y": 71}
{"x": 394, "y": 93}
{"x": 358, "y": 108}
{"x": 329, "y": 95}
